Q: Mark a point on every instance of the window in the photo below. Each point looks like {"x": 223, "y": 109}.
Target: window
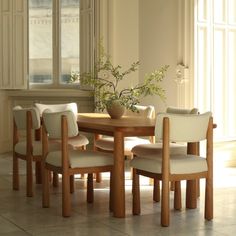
{"x": 55, "y": 29}
{"x": 215, "y": 63}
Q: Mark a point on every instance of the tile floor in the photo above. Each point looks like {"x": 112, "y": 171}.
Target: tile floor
{"x": 20, "y": 215}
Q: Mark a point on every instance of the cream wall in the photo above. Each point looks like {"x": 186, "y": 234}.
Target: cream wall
{"x": 5, "y": 123}
{"x": 146, "y": 31}
{"x": 158, "y": 44}
{"x": 123, "y": 35}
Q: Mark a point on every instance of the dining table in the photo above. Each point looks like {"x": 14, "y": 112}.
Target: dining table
{"x": 126, "y": 126}
{"x": 129, "y": 126}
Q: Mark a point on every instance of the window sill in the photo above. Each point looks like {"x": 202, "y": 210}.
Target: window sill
{"x": 72, "y": 93}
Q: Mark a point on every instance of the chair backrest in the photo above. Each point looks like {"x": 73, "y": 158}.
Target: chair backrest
{"x": 20, "y": 117}
{"x": 143, "y": 111}
{"x": 52, "y": 122}
{"x": 177, "y": 110}
{"x": 183, "y": 127}
{"x": 57, "y": 107}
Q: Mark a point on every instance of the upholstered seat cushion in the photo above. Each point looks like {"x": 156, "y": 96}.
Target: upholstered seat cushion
{"x": 20, "y": 147}
{"x": 81, "y": 159}
{"x": 77, "y": 142}
{"x": 179, "y": 164}
{"x": 107, "y": 143}
{"x": 156, "y": 148}
{"x": 72, "y": 106}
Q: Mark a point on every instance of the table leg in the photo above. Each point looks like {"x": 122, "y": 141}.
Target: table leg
{"x": 119, "y": 176}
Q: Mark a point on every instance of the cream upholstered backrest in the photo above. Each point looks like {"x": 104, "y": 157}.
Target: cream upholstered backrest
{"x": 184, "y": 127}
{"x": 20, "y": 117}
{"x": 144, "y": 111}
{"x": 176, "y": 110}
{"x": 57, "y": 107}
{"x": 52, "y": 122}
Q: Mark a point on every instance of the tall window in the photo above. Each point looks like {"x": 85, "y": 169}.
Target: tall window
{"x": 215, "y": 63}
{"x": 54, "y": 40}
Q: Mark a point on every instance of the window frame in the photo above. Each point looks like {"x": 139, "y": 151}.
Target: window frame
{"x": 94, "y": 10}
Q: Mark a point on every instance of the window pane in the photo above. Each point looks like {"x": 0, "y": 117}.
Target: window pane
{"x": 219, "y": 11}
{"x": 40, "y": 41}
{"x": 232, "y": 12}
{"x": 69, "y": 39}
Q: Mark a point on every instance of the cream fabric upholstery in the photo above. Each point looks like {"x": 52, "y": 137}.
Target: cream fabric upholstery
{"x": 175, "y": 148}
{"x": 19, "y": 115}
{"x": 143, "y": 111}
{"x": 179, "y": 164}
{"x": 177, "y": 110}
{"x": 78, "y": 141}
{"x": 186, "y": 128}
{"x": 53, "y": 123}
{"x": 81, "y": 159}
{"x": 37, "y": 148}
{"x": 156, "y": 148}
{"x": 57, "y": 107}
{"x": 107, "y": 143}
{"x": 183, "y": 127}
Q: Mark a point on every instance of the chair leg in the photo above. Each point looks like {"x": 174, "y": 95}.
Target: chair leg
{"x": 55, "y": 180}
{"x": 198, "y": 187}
{"x": 45, "y": 188}
{"x": 98, "y": 177}
{"x": 111, "y": 197}
{"x": 191, "y": 195}
{"x": 90, "y": 195}
{"x": 172, "y": 185}
{"x": 38, "y": 173}
{"x": 156, "y": 190}
{"x": 29, "y": 177}
{"x": 209, "y": 199}
{"x": 72, "y": 184}
{"x": 136, "y": 193}
{"x": 82, "y": 176}
{"x": 66, "y": 200}
{"x": 15, "y": 176}
{"x": 177, "y": 196}
{"x": 165, "y": 203}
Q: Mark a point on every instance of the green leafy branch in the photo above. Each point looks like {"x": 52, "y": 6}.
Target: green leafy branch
{"x": 105, "y": 80}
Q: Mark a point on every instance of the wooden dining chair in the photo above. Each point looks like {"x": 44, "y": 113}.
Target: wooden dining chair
{"x": 67, "y": 162}
{"x": 25, "y": 121}
{"x": 77, "y": 143}
{"x": 167, "y": 166}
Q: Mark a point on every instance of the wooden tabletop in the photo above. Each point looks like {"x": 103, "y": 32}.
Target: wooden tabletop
{"x": 103, "y": 124}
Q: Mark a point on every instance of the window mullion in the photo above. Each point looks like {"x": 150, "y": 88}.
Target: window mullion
{"x": 56, "y": 42}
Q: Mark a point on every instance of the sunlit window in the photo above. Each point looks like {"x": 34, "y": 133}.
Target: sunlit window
{"x": 40, "y": 42}
{"x": 215, "y": 63}
{"x": 54, "y": 41}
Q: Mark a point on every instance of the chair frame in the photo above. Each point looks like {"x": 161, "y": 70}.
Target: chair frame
{"x": 67, "y": 172}
{"x": 29, "y": 157}
{"x": 166, "y": 177}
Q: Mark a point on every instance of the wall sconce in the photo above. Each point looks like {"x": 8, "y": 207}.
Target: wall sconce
{"x": 182, "y": 74}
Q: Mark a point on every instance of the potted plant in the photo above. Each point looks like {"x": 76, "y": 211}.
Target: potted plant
{"x": 105, "y": 83}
